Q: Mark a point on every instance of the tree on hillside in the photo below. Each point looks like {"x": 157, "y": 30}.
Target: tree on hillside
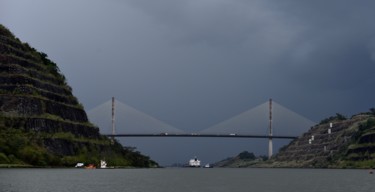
{"x": 340, "y": 116}
{"x": 246, "y": 155}
{"x": 332, "y": 118}
{"x": 372, "y": 110}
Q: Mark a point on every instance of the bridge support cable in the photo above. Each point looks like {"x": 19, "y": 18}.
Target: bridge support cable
{"x": 140, "y": 124}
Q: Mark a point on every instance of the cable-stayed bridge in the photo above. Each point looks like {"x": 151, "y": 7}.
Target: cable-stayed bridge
{"x": 253, "y": 123}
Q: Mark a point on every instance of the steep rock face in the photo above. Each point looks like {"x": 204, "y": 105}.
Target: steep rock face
{"x": 41, "y": 122}
{"x": 32, "y": 90}
{"x": 350, "y": 143}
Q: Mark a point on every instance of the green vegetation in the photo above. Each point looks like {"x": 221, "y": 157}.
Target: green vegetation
{"x": 52, "y": 67}
{"x": 244, "y": 159}
{"x": 34, "y": 80}
{"x": 361, "y": 151}
{"x": 18, "y": 147}
{"x": 247, "y": 155}
{"x": 338, "y": 117}
{"x": 5, "y": 31}
{"x": 372, "y": 110}
{"x": 29, "y": 148}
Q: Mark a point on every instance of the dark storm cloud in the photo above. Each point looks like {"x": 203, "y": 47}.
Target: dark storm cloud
{"x": 235, "y": 26}
{"x": 334, "y": 51}
{"x": 214, "y": 54}
{"x": 320, "y": 43}
{"x": 226, "y": 48}
{"x": 296, "y": 47}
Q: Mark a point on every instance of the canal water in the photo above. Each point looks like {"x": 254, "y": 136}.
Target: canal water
{"x": 185, "y": 180}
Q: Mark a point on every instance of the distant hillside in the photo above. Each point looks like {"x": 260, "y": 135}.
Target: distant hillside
{"x": 244, "y": 159}
{"x": 350, "y": 144}
{"x": 41, "y": 122}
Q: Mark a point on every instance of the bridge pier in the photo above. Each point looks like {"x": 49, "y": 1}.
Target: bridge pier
{"x": 270, "y": 148}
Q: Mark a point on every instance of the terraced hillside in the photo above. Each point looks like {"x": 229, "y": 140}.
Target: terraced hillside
{"x": 41, "y": 122}
{"x": 350, "y": 144}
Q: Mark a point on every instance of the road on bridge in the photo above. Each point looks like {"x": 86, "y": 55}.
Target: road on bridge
{"x": 203, "y": 135}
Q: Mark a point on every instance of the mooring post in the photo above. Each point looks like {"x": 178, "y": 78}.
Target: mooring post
{"x": 270, "y": 146}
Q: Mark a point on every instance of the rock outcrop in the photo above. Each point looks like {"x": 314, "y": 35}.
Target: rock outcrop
{"x": 38, "y": 108}
{"x": 348, "y": 143}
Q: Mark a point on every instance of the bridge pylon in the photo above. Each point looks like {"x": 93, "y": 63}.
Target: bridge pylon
{"x": 270, "y": 145}
{"x": 113, "y": 119}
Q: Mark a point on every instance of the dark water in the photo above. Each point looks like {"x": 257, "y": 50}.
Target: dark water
{"x": 185, "y": 179}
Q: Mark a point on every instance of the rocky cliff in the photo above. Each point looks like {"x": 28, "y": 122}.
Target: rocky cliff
{"x": 41, "y": 122}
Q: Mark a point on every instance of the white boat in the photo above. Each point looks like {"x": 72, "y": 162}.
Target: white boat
{"x": 207, "y": 166}
{"x": 103, "y": 164}
{"x": 79, "y": 165}
{"x": 194, "y": 162}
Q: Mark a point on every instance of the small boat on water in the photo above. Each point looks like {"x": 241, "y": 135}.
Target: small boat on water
{"x": 79, "y": 165}
{"x": 103, "y": 164}
{"x": 90, "y": 166}
{"x": 207, "y": 166}
{"x": 194, "y": 162}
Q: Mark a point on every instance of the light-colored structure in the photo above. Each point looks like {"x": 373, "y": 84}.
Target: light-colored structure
{"x": 194, "y": 162}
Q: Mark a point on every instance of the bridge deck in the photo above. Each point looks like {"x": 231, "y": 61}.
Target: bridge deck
{"x": 203, "y": 135}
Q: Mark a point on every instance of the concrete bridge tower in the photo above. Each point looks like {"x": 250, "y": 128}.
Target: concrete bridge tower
{"x": 113, "y": 117}
{"x": 270, "y": 146}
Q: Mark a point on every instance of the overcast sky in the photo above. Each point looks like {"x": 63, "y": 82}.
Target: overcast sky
{"x": 195, "y": 63}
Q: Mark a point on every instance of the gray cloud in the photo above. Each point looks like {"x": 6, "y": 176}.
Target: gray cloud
{"x": 334, "y": 46}
{"x": 196, "y": 63}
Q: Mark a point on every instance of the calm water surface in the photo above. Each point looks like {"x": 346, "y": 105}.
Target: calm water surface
{"x": 185, "y": 180}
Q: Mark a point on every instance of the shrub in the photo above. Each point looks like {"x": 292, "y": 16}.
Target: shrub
{"x": 332, "y": 118}
{"x": 4, "y": 159}
{"x": 246, "y": 155}
{"x": 372, "y": 110}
